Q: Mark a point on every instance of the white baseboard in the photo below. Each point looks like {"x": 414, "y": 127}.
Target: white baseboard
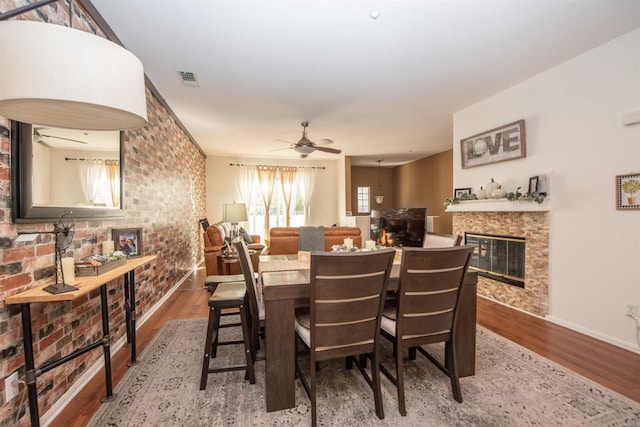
{"x": 47, "y": 418}
{"x": 594, "y": 334}
{"x": 585, "y": 331}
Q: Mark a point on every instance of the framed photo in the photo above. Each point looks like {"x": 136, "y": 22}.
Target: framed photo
{"x": 129, "y": 241}
{"x": 496, "y": 145}
{"x": 628, "y": 192}
{"x": 457, "y": 192}
{"x": 533, "y": 184}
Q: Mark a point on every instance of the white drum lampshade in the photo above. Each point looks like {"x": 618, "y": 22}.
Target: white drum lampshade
{"x": 59, "y": 76}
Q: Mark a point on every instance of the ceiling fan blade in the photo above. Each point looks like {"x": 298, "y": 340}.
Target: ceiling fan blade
{"x": 280, "y": 149}
{"x": 66, "y": 139}
{"x": 329, "y": 150}
{"x": 283, "y": 140}
{"x": 323, "y": 141}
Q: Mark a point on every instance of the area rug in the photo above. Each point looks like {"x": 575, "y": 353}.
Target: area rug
{"x": 512, "y": 387}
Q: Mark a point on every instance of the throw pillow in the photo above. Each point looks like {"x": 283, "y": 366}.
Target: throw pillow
{"x": 245, "y": 236}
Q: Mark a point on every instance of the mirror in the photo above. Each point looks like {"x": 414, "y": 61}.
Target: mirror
{"x": 55, "y": 170}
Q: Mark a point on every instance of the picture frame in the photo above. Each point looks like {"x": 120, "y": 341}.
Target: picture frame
{"x": 507, "y": 142}
{"x": 457, "y": 192}
{"x": 129, "y": 241}
{"x": 628, "y": 192}
{"x": 533, "y": 184}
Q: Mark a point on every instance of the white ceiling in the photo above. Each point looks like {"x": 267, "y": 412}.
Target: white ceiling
{"x": 380, "y": 88}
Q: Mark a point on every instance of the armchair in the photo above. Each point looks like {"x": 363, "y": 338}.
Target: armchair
{"x": 214, "y": 241}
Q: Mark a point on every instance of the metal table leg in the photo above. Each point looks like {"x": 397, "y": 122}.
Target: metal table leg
{"x": 106, "y": 344}
{"x": 27, "y": 339}
{"x": 132, "y": 316}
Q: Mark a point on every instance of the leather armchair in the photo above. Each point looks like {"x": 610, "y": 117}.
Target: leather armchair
{"x": 214, "y": 237}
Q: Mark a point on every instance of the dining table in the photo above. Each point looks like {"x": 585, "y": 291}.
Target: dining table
{"x": 284, "y": 281}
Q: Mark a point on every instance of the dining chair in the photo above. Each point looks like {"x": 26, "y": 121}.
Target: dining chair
{"x": 256, "y": 301}
{"x": 435, "y": 240}
{"x": 346, "y": 300}
{"x": 426, "y": 310}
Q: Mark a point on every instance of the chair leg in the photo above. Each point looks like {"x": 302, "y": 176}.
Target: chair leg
{"x": 207, "y": 350}
{"x": 214, "y": 345}
{"x": 375, "y": 377}
{"x": 312, "y": 392}
{"x": 248, "y": 349}
{"x": 349, "y": 363}
{"x": 453, "y": 371}
{"x": 400, "y": 380}
{"x": 412, "y": 353}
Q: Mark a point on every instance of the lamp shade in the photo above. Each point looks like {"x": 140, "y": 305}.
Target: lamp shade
{"x": 234, "y": 212}
{"x": 58, "y": 76}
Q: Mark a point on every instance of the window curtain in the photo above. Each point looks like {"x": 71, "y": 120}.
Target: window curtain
{"x": 267, "y": 180}
{"x": 90, "y": 172}
{"x": 287, "y": 180}
{"x": 113, "y": 175}
{"x": 307, "y": 179}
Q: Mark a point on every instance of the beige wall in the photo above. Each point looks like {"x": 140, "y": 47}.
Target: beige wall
{"x": 368, "y": 177}
{"x": 426, "y": 183}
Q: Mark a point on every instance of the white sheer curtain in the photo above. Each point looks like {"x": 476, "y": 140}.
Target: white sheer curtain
{"x": 287, "y": 181}
{"x": 245, "y": 176}
{"x": 267, "y": 179}
{"x": 112, "y": 168}
{"x": 90, "y": 173}
{"x": 307, "y": 179}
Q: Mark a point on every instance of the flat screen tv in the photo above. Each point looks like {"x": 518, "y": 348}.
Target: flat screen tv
{"x": 398, "y": 226}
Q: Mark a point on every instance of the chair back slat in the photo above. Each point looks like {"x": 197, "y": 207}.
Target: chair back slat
{"x": 347, "y": 294}
{"x": 250, "y": 280}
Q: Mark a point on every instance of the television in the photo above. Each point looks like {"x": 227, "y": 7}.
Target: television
{"x": 398, "y": 226}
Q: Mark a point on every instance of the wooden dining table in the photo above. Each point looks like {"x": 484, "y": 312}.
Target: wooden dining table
{"x": 285, "y": 284}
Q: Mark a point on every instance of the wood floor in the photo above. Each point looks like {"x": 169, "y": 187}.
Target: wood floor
{"x": 608, "y": 365}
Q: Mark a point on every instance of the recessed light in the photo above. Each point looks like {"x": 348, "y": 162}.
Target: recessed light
{"x": 374, "y": 14}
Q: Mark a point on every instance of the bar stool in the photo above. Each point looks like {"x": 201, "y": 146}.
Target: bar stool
{"x": 227, "y": 296}
{"x": 214, "y": 280}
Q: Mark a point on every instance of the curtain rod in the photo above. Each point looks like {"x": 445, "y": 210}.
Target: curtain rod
{"x": 75, "y": 158}
{"x": 281, "y": 166}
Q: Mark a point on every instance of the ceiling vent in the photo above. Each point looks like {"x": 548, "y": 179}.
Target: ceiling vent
{"x": 188, "y": 78}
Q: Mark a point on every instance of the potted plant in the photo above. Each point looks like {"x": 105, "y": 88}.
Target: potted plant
{"x": 631, "y": 187}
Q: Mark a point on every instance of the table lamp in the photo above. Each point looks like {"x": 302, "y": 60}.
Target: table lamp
{"x": 234, "y": 213}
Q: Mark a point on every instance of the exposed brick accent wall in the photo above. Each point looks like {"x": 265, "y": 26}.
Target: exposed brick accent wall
{"x": 164, "y": 177}
{"x": 534, "y": 227}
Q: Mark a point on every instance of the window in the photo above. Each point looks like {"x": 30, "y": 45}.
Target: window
{"x": 363, "y": 200}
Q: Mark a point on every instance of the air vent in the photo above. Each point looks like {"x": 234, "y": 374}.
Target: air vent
{"x": 188, "y": 78}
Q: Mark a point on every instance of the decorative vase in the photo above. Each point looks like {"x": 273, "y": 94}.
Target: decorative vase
{"x": 631, "y": 200}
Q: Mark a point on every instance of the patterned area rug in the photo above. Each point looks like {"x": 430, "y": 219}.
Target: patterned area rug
{"x": 512, "y": 387}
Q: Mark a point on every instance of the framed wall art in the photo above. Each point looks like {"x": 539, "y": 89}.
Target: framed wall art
{"x": 533, "y": 184}
{"x": 458, "y": 192}
{"x": 129, "y": 241}
{"x": 628, "y": 192}
{"x": 500, "y": 144}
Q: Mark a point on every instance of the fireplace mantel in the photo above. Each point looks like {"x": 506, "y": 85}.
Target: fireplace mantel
{"x": 500, "y": 205}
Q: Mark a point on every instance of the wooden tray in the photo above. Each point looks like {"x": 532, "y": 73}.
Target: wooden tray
{"x": 86, "y": 269}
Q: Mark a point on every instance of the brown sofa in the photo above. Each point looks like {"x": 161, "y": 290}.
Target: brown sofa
{"x": 285, "y": 240}
{"x": 214, "y": 241}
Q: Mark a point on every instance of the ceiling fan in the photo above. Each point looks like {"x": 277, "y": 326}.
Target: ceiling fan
{"x": 40, "y": 135}
{"x": 306, "y": 146}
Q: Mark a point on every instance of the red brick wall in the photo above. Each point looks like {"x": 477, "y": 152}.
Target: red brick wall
{"x": 164, "y": 178}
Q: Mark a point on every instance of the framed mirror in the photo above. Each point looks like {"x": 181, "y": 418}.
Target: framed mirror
{"x": 55, "y": 170}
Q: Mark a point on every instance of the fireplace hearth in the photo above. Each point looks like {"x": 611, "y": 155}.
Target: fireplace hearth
{"x": 500, "y": 258}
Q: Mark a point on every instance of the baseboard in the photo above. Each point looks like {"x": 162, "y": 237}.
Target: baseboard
{"x": 48, "y": 417}
{"x": 576, "y": 328}
{"x": 594, "y": 334}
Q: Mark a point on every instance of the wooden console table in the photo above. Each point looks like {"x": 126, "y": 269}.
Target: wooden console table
{"x": 84, "y": 285}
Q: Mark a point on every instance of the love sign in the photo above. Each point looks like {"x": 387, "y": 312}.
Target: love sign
{"x": 496, "y": 145}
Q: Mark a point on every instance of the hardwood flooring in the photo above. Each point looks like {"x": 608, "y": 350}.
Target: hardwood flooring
{"x": 611, "y": 366}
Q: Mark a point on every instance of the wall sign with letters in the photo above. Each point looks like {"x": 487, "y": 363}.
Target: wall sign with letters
{"x": 496, "y": 145}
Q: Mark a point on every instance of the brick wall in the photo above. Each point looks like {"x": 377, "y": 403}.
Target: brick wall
{"x": 534, "y": 227}
{"x": 164, "y": 194}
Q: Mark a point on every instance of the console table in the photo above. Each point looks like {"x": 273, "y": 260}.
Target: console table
{"x": 85, "y": 285}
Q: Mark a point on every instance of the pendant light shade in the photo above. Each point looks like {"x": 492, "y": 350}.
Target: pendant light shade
{"x": 379, "y": 197}
{"x": 59, "y": 76}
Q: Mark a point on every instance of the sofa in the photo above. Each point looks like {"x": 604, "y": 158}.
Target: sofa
{"x": 286, "y": 240}
{"x": 214, "y": 237}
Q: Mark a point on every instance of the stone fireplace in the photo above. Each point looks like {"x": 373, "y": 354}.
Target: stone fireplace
{"x": 533, "y": 226}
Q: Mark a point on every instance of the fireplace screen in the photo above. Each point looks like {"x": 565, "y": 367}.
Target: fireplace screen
{"x": 498, "y": 257}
